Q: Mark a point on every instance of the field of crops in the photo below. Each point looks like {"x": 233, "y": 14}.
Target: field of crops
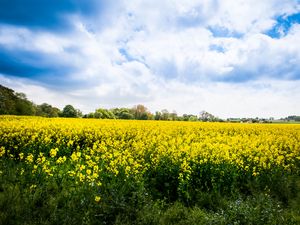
{"x": 88, "y": 171}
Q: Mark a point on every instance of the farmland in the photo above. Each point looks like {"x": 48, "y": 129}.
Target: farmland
{"x": 88, "y": 171}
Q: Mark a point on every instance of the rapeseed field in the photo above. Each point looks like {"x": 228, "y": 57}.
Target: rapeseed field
{"x": 113, "y": 169}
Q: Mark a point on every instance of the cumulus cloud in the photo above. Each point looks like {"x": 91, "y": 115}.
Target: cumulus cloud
{"x": 187, "y": 56}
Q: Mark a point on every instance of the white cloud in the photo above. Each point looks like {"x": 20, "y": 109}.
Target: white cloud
{"x": 165, "y": 55}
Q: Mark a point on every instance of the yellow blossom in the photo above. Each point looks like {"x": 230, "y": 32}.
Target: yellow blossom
{"x": 53, "y": 152}
{"x": 29, "y": 158}
{"x": 97, "y": 198}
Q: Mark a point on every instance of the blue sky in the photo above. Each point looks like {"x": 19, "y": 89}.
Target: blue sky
{"x": 231, "y": 58}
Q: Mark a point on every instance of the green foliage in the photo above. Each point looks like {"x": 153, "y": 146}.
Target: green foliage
{"x": 57, "y": 201}
{"x": 193, "y": 118}
{"x": 292, "y": 118}
{"x": 157, "y": 115}
{"x": 69, "y": 111}
{"x": 90, "y": 115}
{"x": 14, "y": 103}
{"x": 47, "y": 110}
{"x": 103, "y": 114}
{"x": 164, "y": 114}
{"x": 140, "y": 112}
{"x": 122, "y": 113}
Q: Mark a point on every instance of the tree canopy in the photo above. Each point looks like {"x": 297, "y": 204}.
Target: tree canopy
{"x": 14, "y": 103}
{"x": 69, "y": 111}
{"x": 47, "y": 110}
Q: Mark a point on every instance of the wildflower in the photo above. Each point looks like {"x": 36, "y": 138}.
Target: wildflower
{"x": 21, "y": 155}
{"x": 61, "y": 160}
{"x": 29, "y": 158}
{"x": 53, "y": 152}
{"x": 97, "y": 199}
{"x": 2, "y": 151}
{"x": 75, "y": 156}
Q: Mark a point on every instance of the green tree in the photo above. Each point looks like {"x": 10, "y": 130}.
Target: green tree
{"x": 24, "y": 107}
{"x": 205, "y": 116}
{"x": 140, "y": 112}
{"x": 193, "y": 118}
{"x": 174, "y": 116}
{"x": 90, "y": 115}
{"x": 157, "y": 115}
{"x": 165, "y": 114}
{"x": 47, "y": 110}
{"x": 122, "y": 113}
{"x": 103, "y": 114}
{"x": 79, "y": 113}
{"x": 15, "y": 103}
{"x": 69, "y": 111}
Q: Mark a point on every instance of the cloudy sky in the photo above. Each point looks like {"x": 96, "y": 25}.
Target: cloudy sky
{"x": 232, "y": 58}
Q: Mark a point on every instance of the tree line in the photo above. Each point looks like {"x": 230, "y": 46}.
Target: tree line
{"x": 140, "y": 112}
{"x": 14, "y": 103}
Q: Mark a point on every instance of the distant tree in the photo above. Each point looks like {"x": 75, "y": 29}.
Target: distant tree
{"x": 7, "y": 101}
{"x": 78, "y": 113}
{"x": 122, "y": 113}
{"x": 103, "y": 114}
{"x": 15, "y": 103}
{"x": 126, "y": 115}
{"x": 91, "y": 115}
{"x": 193, "y": 118}
{"x": 41, "y": 109}
{"x": 24, "y": 107}
{"x": 69, "y": 111}
{"x": 185, "y": 117}
{"x": 150, "y": 116}
{"x": 140, "y": 112}
{"x": 21, "y": 95}
{"x": 165, "y": 114}
{"x": 292, "y": 118}
{"x": 157, "y": 115}
{"x": 174, "y": 116}
{"x": 116, "y": 112}
{"x": 205, "y": 116}
{"x": 47, "y": 110}
{"x": 99, "y": 114}
{"x": 143, "y": 116}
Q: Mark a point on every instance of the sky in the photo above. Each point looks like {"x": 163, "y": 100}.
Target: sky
{"x": 232, "y": 58}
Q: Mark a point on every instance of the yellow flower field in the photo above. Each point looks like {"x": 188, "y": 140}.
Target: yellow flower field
{"x": 134, "y": 147}
{"x": 170, "y": 160}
